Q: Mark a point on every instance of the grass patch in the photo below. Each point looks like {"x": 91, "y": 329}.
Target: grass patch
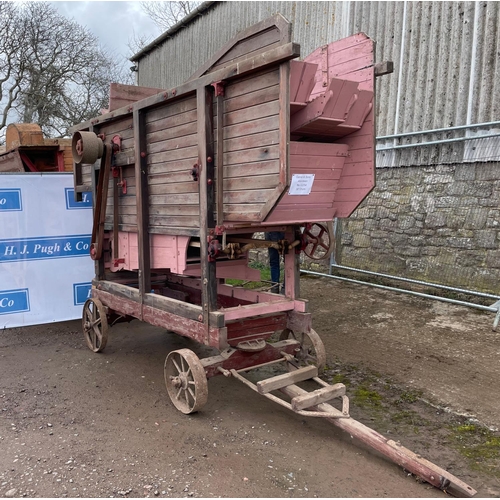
{"x": 409, "y": 397}
{"x": 365, "y": 397}
{"x": 478, "y": 444}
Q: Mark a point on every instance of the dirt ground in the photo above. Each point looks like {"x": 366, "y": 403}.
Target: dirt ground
{"x": 78, "y": 424}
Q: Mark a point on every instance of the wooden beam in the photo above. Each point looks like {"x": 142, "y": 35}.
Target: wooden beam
{"x": 404, "y": 457}
{"x": 142, "y": 200}
{"x": 286, "y": 379}
{"x": 204, "y": 98}
{"x": 384, "y": 68}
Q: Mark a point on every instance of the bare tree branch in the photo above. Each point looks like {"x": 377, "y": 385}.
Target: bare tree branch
{"x": 166, "y": 14}
{"x": 52, "y": 70}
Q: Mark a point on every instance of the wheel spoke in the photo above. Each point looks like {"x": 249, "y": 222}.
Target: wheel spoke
{"x": 176, "y": 365}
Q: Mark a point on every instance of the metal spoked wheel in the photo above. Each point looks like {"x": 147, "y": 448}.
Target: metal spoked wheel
{"x": 319, "y": 240}
{"x": 95, "y": 325}
{"x": 312, "y": 350}
{"x": 186, "y": 381}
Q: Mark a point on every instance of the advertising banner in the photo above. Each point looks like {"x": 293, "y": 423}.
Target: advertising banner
{"x": 45, "y": 267}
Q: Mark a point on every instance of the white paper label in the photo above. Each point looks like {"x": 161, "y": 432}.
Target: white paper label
{"x": 301, "y": 184}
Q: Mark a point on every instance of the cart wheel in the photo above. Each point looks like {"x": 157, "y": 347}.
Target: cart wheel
{"x": 186, "y": 381}
{"x": 312, "y": 350}
{"x": 95, "y": 325}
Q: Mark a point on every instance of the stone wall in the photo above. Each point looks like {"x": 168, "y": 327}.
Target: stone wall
{"x": 439, "y": 224}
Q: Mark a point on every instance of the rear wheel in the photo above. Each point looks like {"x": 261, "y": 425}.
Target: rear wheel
{"x": 95, "y": 325}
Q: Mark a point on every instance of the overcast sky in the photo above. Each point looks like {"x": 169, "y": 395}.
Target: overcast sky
{"x": 114, "y": 23}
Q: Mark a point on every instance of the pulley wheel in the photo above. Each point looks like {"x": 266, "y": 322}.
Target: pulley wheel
{"x": 86, "y": 147}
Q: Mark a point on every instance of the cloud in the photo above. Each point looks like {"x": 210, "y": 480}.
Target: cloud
{"x": 113, "y": 23}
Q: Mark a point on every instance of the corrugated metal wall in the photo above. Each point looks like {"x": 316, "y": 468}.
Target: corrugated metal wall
{"x": 445, "y": 54}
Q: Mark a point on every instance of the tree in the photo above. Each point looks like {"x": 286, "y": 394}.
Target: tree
{"x": 166, "y": 14}
{"x": 52, "y": 70}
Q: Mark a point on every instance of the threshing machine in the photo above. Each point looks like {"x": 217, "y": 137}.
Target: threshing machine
{"x": 184, "y": 179}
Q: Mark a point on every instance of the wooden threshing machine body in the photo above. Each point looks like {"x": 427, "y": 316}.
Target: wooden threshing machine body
{"x": 252, "y": 142}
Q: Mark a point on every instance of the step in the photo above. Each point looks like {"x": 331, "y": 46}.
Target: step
{"x": 280, "y": 381}
{"x": 318, "y": 396}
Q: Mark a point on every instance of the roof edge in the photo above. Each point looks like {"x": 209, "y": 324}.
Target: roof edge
{"x": 174, "y": 29}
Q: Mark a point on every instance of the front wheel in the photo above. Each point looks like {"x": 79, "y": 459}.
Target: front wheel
{"x": 186, "y": 381}
{"x": 311, "y": 350}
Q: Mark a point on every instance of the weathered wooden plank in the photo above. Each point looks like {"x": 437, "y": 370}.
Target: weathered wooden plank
{"x": 174, "y": 188}
{"x": 252, "y": 127}
{"x": 170, "y": 177}
{"x": 171, "y": 109}
{"x": 169, "y": 133}
{"x": 301, "y": 80}
{"x": 142, "y": 202}
{"x": 269, "y": 138}
{"x": 185, "y": 141}
{"x": 242, "y": 208}
{"x": 247, "y": 196}
{"x": 170, "y": 155}
{"x": 248, "y": 99}
{"x": 204, "y": 98}
{"x": 172, "y": 210}
{"x": 158, "y": 163}
{"x": 173, "y": 221}
{"x": 256, "y": 182}
{"x": 117, "y": 126}
{"x": 286, "y": 379}
{"x": 172, "y": 121}
{"x": 252, "y": 32}
{"x": 246, "y": 48}
{"x": 122, "y": 95}
{"x": 255, "y": 112}
{"x": 252, "y": 83}
{"x": 317, "y": 397}
{"x": 251, "y": 169}
{"x": 181, "y": 199}
{"x": 252, "y": 155}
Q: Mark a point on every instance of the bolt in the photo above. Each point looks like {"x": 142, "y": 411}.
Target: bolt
{"x": 200, "y": 317}
{"x": 209, "y": 159}
{"x": 165, "y": 95}
{"x": 174, "y": 92}
{"x": 143, "y": 154}
{"x": 209, "y": 181}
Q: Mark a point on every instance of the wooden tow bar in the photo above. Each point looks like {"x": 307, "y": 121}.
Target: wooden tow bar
{"x": 185, "y": 180}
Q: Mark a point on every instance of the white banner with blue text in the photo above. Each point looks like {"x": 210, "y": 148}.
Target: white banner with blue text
{"x": 45, "y": 266}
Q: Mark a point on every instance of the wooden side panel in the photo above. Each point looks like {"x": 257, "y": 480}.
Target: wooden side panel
{"x": 122, "y": 95}
{"x": 352, "y": 58}
{"x": 172, "y": 152}
{"x": 324, "y": 161}
{"x": 260, "y": 37}
{"x": 125, "y": 129}
{"x": 11, "y": 162}
{"x": 251, "y": 145}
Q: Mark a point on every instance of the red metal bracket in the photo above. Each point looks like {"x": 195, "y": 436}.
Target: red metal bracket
{"x": 219, "y": 88}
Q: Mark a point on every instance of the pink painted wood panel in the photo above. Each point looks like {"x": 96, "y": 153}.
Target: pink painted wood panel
{"x": 167, "y": 252}
{"x": 352, "y": 59}
{"x": 326, "y": 162}
{"x": 301, "y": 80}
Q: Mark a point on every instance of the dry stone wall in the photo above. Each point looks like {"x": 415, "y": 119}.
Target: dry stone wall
{"x": 437, "y": 223}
